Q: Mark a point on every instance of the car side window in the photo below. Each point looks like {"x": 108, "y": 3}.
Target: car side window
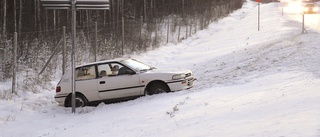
{"x": 109, "y": 69}
{"x": 86, "y": 72}
{"x": 104, "y": 70}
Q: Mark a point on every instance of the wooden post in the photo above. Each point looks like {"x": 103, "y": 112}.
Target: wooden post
{"x": 14, "y": 62}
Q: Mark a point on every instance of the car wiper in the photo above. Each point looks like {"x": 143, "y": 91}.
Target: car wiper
{"x": 144, "y": 69}
{"x": 148, "y": 69}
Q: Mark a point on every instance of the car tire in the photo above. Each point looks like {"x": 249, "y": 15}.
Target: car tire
{"x": 81, "y": 101}
{"x": 157, "y": 88}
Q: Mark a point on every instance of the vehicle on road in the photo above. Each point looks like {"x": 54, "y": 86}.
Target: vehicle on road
{"x": 311, "y": 8}
{"x": 119, "y": 79}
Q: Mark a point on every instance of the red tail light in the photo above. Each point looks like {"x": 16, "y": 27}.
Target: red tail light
{"x": 58, "y": 89}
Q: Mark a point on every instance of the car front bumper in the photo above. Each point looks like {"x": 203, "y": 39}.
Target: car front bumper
{"x": 181, "y": 84}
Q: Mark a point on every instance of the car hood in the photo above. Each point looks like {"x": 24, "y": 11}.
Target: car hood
{"x": 169, "y": 71}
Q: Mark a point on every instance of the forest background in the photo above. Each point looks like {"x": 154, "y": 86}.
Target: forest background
{"x": 128, "y": 27}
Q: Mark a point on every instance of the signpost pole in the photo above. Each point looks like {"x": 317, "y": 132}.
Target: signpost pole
{"x": 258, "y": 16}
{"x": 74, "y": 35}
{"x": 74, "y": 5}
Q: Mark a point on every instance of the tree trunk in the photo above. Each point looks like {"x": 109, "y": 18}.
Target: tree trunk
{"x": 122, "y": 8}
{"x": 54, "y": 19}
{"x": 15, "y": 15}
{"x": 145, "y": 10}
{"x": 4, "y": 24}
{"x": 3, "y": 40}
{"x": 39, "y": 15}
{"x": 35, "y": 15}
{"x": 47, "y": 26}
{"x": 20, "y": 17}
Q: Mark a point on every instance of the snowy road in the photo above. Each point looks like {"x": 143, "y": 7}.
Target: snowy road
{"x": 312, "y": 21}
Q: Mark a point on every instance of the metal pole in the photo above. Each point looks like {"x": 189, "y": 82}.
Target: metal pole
{"x": 187, "y": 28}
{"x": 168, "y": 29}
{"x": 140, "y": 38}
{"x": 14, "y": 61}
{"x": 64, "y": 51}
{"x": 190, "y": 31}
{"x": 196, "y": 24}
{"x": 73, "y": 100}
{"x": 258, "y": 16}
{"x": 53, "y": 53}
{"x": 96, "y": 42}
{"x": 122, "y": 35}
{"x": 302, "y": 23}
{"x": 156, "y": 33}
{"x": 179, "y": 30}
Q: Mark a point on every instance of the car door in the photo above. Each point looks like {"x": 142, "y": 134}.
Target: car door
{"x": 114, "y": 85}
{"x": 86, "y": 82}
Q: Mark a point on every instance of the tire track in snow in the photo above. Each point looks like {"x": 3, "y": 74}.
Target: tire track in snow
{"x": 242, "y": 66}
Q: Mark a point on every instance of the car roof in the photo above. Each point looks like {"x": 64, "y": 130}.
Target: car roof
{"x": 310, "y": 4}
{"x": 103, "y": 61}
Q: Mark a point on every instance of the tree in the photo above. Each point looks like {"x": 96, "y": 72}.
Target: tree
{"x": 4, "y": 19}
{"x": 3, "y": 38}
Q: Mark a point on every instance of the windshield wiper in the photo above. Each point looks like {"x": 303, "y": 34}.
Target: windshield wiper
{"x": 151, "y": 68}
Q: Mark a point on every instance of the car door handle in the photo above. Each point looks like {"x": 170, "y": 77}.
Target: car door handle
{"x": 102, "y": 82}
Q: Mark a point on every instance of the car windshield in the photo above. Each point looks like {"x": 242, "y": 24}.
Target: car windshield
{"x": 310, "y": 5}
{"x": 138, "y": 66}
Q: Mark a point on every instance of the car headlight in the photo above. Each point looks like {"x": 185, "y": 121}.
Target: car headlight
{"x": 178, "y": 76}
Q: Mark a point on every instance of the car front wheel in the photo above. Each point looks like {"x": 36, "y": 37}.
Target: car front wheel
{"x": 157, "y": 88}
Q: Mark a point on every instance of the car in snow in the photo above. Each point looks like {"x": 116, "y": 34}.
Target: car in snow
{"x": 119, "y": 79}
{"x": 311, "y": 8}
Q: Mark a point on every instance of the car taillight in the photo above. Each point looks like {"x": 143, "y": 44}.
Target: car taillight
{"x": 58, "y": 89}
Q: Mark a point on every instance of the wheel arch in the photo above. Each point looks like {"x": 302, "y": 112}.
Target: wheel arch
{"x": 156, "y": 82}
{"x": 70, "y": 95}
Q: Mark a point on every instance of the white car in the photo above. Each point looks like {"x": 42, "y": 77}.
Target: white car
{"x": 119, "y": 79}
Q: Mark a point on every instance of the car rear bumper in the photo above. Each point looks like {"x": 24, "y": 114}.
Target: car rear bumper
{"x": 60, "y": 99}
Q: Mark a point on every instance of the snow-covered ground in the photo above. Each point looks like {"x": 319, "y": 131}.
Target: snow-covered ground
{"x": 250, "y": 83}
